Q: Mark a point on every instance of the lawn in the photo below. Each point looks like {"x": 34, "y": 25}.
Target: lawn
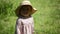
{"x": 46, "y": 18}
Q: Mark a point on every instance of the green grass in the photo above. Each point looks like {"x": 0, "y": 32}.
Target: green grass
{"x": 47, "y": 17}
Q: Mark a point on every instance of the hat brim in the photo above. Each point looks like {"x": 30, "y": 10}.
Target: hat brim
{"x": 17, "y": 11}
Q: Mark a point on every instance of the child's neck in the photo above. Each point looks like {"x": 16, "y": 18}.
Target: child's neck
{"x": 21, "y": 16}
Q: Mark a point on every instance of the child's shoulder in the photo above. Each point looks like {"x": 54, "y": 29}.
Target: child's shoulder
{"x": 18, "y": 19}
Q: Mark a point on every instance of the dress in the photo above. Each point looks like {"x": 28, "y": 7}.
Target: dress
{"x": 24, "y": 26}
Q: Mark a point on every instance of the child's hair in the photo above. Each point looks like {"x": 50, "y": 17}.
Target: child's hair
{"x": 21, "y": 7}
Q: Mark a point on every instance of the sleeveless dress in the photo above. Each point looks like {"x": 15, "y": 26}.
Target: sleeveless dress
{"x": 24, "y": 26}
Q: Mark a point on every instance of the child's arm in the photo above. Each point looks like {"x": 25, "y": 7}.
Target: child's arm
{"x": 18, "y": 30}
{"x": 19, "y": 26}
{"x": 33, "y": 27}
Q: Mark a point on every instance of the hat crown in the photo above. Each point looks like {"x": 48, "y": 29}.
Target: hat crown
{"x": 26, "y": 2}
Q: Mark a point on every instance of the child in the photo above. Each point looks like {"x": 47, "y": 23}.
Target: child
{"x": 25, "y": 23}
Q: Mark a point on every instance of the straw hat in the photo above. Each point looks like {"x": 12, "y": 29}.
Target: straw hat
{"x": 25, "y": 2}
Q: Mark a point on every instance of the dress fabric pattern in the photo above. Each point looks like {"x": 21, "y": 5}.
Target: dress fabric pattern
{"x": 24, "y": 26}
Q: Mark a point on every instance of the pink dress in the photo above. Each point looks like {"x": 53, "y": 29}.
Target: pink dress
{"x": 25, "y": 26}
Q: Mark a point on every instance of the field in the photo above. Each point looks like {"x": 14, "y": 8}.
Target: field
{"x": 46, "y": 18}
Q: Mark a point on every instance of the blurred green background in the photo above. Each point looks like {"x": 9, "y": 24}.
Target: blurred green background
{"x": 47, "y": 18}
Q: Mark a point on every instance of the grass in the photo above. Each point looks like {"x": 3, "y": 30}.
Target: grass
{"x": 47, "y": 17}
